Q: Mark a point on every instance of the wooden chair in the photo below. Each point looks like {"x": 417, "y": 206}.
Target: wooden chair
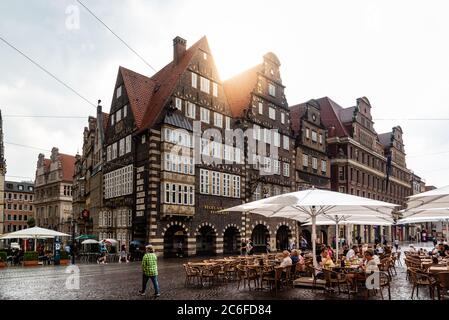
{"x": 251, "y": 275}
{"x": 442, "y": 284}
{"x": 384, "y": 282}
{"x": 333, "y": 279}
{"x": 191, "y": 274}
{"x": 241, "y": 276}
{"x": 419, "y": 278}
{"x": 273, "y": 277}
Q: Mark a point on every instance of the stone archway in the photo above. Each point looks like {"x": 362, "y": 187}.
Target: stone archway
{"x": 260, "y": 237}
{"x": 206, "y": 241}
{"x": 175, "y": 242}
{"x": 283, "y": 235}
{"x": 231, "y": 240}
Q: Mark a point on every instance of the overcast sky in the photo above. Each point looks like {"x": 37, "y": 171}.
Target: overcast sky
{"x": 393, "y": 52}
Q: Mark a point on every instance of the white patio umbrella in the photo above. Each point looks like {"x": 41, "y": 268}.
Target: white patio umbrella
{"x": 437, "y": 198}
{"x": 34, "y": 233}
{"x": 90, "y": 241}
{"x": 309, "y": 204}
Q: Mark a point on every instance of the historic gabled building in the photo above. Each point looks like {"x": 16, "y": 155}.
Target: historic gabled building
{"x": 364, "y": 163}
{"x": 173, "y": 160}
{"x": 19, "y": 205}
{"x": 88, "y": 178}
{"x": 260, "y": 108}
{"x": 312, "y": 163}
{"x": 53, "y": 191}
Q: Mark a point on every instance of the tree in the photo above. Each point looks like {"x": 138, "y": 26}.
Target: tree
{"x": 31, "y": 222}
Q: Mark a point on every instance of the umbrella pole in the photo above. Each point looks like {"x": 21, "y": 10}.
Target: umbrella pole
{"x": 315, "y": 264}
{"x": 35, "y": 243}
{"x": 336, "y": 240}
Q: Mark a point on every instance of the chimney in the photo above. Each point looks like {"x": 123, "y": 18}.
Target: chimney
{"x": 179, "y": 48}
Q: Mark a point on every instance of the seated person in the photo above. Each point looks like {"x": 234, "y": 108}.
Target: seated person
{"x": 286, "y": 260}
{"x": 294, "y": 256}
{"x": 368, "y": 266}
{"x": 351, "y": 253}
{"x": 326, "y": 260}
{"x": 376, "y": 259}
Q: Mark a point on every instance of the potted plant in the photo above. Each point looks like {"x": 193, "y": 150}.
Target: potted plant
{"x": 30, "y": 258}
{"x": 3, "y": 257}
{"x": 64, "y": 258}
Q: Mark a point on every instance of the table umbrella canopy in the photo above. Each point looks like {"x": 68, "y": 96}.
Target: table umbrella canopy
{"x": 309, "y": 204}
{"x": 35, "y": 232}
{"x": 90, "y": 241}
{"x": 437, "y": 198}
{"x": 427, "y": 215}
{"x": 112, "y": 242}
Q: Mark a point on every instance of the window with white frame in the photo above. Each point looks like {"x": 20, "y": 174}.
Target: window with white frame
{"x": 118, "y": 182}
{"x": 204, "y": 181}
{"x": 114, "y": 150}
{"x": 194, "y": 80}
{"x": 228, "y": 123}
{"x": 320, "y": 140}
{"x": 178, "y": 103}
{"x": 258, "y": 192}
{"x": 191, "y": 110}
{"x": 228, "y": 153}
{"x": 260, "y": 108}
{"x": 314, "y": 163}
{"x": 276, "y": 139}
{"x": 121, "y": 151}
{"x": 305, "y": 160}
{"x": 216, "y": 149}
{"x": 176, "y": 163}
{"x": 267, "y": 135}
{"x": 109, "y": 153}
{"x": 314, "y": 136}
{"x": 323, "y": 166}
{"x": 272, "y": 113}
{"x": 226, "y": 185}
{"x": 128, "y": 143}
{"x": 276, "y": 167}
{"x": 271, "y": 90}
{"x": 237, "y": 155}
{"x": 205, "y": 146}
{"x": 282, "y": 117}
{"x": 256, "y": 132}
{"x": 204, "y": 85}
{"x": 286, "y": 142}
{"x": 180, "y": 194}
{"x": 118, "y": 115}
{"x": 204, "y": 115}
{"x": 286, "y": 169}
{"x": 218, "y": 120}
{"x": 214, "y": 89}
{"x": 112, "y": 119}
{"x": 236, "y": 186}
{"x": 118, "y": 92}
{"x": 307, "y": 133}
{"x": 125, "y": 111}
{"x": 119, "y": 218}
{"x": 267, "y": 164}
{"x": 215, "y": 183}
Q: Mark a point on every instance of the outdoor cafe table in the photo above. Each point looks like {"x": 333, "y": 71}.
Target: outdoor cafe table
{"x": 438, "y": 268}
{"x": 202, "y": 264}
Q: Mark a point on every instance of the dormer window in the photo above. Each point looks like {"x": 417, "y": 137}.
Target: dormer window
{"x": 271, "y": 90}
{"x": 118, "y": 92}
{"x": 112, "y": 119}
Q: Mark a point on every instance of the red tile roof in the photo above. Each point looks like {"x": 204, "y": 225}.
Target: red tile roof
{"x": 239, "y": 88}
{"x": 330, "y": 116}
{"x": 68, "y": 166}
{"x": 139, "y": 89}
{"x": 166, "y": 80}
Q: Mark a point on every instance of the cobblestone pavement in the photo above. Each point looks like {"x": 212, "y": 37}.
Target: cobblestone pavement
{"x": 122, "y": 281}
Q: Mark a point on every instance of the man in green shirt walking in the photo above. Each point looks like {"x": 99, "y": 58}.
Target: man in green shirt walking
{"x": 149, "y": 269}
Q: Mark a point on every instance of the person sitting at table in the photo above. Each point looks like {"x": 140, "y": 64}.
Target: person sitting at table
{"x": 330, "y": 251}
{"x": 412, "y": 249}
{"x": 376, "y": 259}
{"x": 286, "y": 260}
{"x": 351, "y": 253}
{"x": 326, "y": 260}
{"x": 369, "y": 264}
{"x": 294, "y": 255}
